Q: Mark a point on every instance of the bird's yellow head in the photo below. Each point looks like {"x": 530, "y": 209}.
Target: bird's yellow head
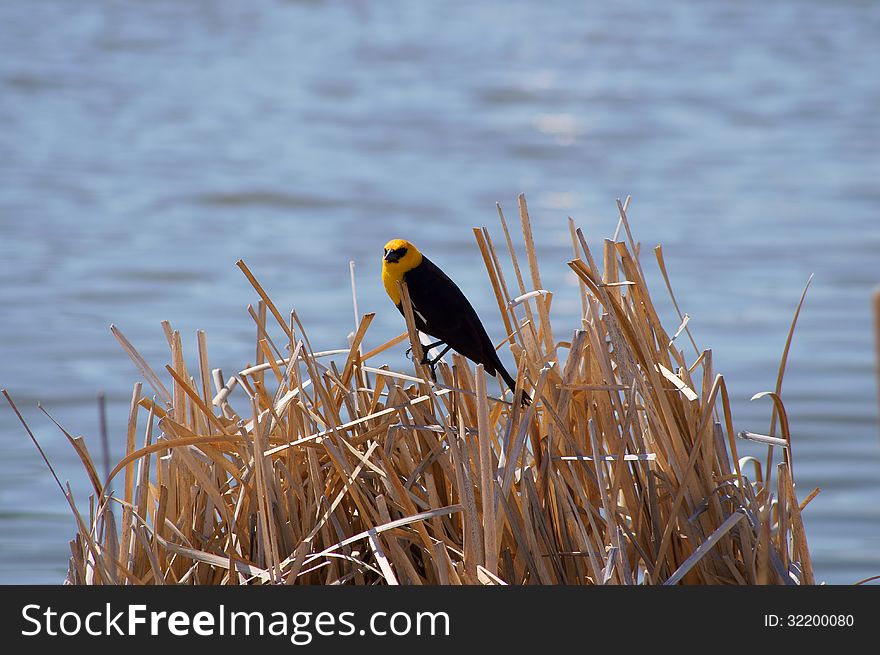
{"x": 398, "y": 258}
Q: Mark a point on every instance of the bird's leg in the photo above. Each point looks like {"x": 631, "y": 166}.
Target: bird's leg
{"x": 433, "y": 362}
{"x": 425, "y": 348}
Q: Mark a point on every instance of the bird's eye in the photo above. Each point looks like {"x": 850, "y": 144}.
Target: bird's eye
{"x": 394, "y": 255}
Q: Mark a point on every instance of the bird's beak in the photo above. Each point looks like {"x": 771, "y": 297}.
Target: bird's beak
{"x": 391, "y": 256}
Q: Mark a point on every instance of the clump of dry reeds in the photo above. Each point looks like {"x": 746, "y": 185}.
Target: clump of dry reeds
{"x": 330, "y": 468}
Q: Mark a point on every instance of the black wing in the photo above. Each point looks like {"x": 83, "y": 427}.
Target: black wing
{"x": 442, "y": 311}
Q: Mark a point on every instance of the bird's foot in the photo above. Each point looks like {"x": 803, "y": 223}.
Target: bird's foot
{"x": 433, "y": 362}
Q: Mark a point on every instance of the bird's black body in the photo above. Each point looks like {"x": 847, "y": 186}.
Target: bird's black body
{"x": 442, "y": 311}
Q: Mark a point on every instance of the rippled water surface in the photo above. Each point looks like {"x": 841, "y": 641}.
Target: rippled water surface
{"x": 145, "y": 147}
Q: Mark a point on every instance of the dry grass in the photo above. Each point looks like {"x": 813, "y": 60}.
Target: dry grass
{"x": 329, "y": 468}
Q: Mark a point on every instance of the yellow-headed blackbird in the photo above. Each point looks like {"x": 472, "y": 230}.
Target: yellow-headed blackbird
{"x": 440, "y": 309}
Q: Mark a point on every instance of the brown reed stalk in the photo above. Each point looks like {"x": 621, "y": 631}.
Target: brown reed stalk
{"x": 330, "y": 468}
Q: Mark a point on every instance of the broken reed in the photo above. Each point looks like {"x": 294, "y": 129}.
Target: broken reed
{"x": 330, "y": 468}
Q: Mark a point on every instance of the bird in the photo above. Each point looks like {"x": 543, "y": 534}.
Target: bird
{"x": 440, "y": 309}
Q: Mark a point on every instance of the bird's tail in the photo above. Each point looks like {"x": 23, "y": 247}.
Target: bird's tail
{"x": 526, "y": 400}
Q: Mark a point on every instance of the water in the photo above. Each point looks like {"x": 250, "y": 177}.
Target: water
{"x": 146, "y": 147}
